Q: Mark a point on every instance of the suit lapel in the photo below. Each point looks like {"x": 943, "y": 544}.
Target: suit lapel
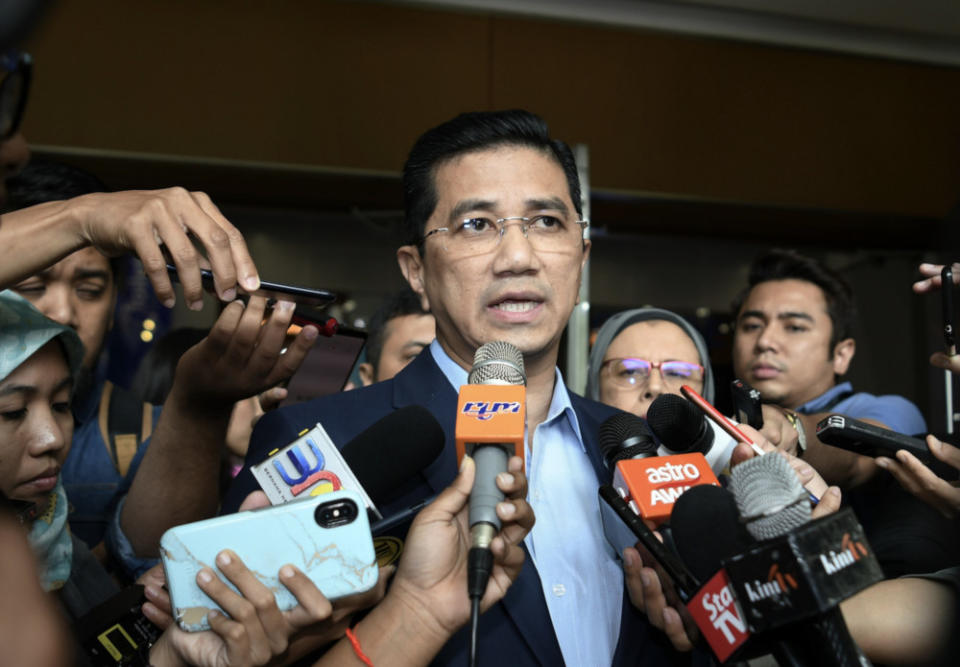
{"x": 423, "y": 383}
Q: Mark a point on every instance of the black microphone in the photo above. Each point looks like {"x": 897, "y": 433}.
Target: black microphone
{"x": 625, "y": 436}
{"x": 679, "y": 424}
{"x": 393, "y": 450}
{"x": 792, "y": 582}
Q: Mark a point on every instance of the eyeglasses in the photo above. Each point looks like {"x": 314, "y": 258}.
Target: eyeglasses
{"x": 631, "y": 373}
{"x": 546, "y": 233}
{"x": 13, "y": 91}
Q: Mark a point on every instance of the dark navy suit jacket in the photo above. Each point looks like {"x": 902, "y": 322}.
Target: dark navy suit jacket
{"x": 517, "y": 631}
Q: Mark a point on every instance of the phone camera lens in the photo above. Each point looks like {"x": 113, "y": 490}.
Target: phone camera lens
{"x": 335, "y": 513}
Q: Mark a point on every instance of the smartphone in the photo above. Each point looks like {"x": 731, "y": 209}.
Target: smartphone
{"x": 327, "y": 537}
{"x": 625, "y": 528}
{"x": 691, "y": 395}
{"x": 746, "y": 404}
{"x": 871, "y": 440}
{"x": 328, "y": 364}
{"x": 946, "y": 291}
{"x": 302, "y": 296}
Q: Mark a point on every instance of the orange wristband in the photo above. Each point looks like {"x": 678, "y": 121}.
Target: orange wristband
{"x": 355, "y": 643}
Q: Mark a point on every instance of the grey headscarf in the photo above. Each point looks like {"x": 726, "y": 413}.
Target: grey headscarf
{"x": 611, "y": 329}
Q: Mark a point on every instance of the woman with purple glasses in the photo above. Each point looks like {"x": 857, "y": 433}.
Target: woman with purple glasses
{"x": 642, "y": 353}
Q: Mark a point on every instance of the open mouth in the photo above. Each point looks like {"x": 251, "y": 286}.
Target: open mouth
{"x": 516, "y": 306}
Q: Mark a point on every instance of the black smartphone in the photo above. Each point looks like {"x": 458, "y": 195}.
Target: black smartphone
{"x": 946, "y": 290}
{"x": 302, "y": 296}
{"x": 871, "y": 440}
{"x": 746, "y": 404}
{"x": 329, "y": 363}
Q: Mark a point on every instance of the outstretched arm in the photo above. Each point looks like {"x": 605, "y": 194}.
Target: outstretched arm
{"x": 138, "y": 221}
{"x": 177, "y": 481}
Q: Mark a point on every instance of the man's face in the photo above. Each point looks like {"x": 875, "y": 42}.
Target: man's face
{"x": 79, "y": 292}
{"x": 781, "y": 346}
{"x": 512, "y": 293}
{"x": 656, "y": 341}
{"x": 405, "y": 337}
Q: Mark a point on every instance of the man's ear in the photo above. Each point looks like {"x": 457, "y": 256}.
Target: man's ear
{"x": 365, "y": 371}
{"x": 842, "y": 355}
{"x": 411, "y": 266}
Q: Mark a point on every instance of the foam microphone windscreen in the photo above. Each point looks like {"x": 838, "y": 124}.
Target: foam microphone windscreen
{"x": 625, "y": 436}
{"x": 771, "y": 500}
{"x": 706, "y": 529}
{"x": 393, "y": 450}
{"x": 679, "y": 424}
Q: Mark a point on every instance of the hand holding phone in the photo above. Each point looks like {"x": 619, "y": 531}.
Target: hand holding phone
{"x": 867, "y": 439}
{"x": 326, "y": 537}
{"x": 302, "y": 296}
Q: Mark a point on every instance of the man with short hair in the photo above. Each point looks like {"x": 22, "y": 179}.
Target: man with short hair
{"x": 398, "y": 332}
{"x": 793, "y": 342}
{"x": 495, "y": 251}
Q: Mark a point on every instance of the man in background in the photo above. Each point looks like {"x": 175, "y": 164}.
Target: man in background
{"x": 793, "y": 342}
{"x": 398, "y": 332}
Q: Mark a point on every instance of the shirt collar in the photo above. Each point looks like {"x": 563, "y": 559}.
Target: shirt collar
{"x": 559, "y": 403}
{"x": 815, "y": 405}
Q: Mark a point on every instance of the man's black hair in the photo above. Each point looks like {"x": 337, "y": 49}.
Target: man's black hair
{"x": 42, "y": 181}
{"x": 404, "y": 302}
{"x": 468, "y": 133}
{"x": 779, "y": 264}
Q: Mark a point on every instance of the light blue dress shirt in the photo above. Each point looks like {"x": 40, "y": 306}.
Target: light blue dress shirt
{"x": 581, "y": 578}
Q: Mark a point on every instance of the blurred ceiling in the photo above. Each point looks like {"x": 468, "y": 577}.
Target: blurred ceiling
{"x": 925, "y": 31}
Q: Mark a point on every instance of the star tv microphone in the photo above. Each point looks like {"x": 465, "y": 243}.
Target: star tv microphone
{"x": 682, "y": 428}
{"x": 793, "y": 580}
{"x": 491, "y": 417}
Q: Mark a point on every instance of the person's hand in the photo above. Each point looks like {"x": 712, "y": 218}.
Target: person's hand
{"x": 254, "y": 631}
{"x": 240, "y": 357}
{"x": 270, "y": 400}
{"x": 931, "y": 277}
{"x": 946, "y": 361}
{"x": 432, "y": 575}
{"x": 149, "y": 222}
{"x": 778, "y": 430}
{"x": 922, "y": 482}
{"x": 158, "y": 608}
{"x": 646, "y": 593}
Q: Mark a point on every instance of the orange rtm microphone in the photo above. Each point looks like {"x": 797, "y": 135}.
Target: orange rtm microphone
{"x": 490, "y": 414}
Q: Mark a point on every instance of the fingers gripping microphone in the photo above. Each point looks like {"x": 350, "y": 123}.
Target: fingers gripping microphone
{"x": 491, "y": 416}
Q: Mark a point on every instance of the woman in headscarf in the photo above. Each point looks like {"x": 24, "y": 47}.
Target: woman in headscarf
{"x": 642, "y": 353}
{"x": 39, "y": 361}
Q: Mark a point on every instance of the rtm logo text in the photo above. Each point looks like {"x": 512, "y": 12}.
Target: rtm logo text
{"x": 723, "y": 613}
{"x": 484, "y": 410}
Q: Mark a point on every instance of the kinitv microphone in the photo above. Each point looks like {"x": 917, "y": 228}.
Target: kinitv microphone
{"x": 793, "y": 580}
{"x": 491, "y": 417}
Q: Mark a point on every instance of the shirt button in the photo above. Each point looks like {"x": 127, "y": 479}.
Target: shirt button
{"x": 559, "y": 590}
{"x": 536, "y": 495}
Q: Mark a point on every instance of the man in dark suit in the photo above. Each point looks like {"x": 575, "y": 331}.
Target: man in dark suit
{"x": 495, "y": 251}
